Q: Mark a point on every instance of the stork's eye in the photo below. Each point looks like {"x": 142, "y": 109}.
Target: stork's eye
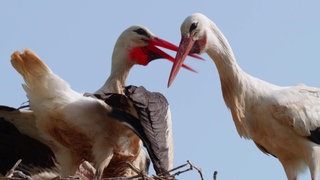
{"x": 193, "y": 27}
{"x": 142, "y": 32}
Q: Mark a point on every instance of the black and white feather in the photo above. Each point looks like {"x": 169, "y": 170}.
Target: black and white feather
{"x": 16, "y": 145}
{"x": 153, "y": 125}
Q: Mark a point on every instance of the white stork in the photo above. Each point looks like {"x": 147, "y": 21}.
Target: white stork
{"x": 282, "y": 121}
{"x": 103, "y": 129}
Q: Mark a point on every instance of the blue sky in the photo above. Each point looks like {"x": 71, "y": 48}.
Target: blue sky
{"x": 276, "y": 41}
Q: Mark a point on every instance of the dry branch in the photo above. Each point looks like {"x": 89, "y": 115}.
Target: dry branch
{"x": 14, "y": 174}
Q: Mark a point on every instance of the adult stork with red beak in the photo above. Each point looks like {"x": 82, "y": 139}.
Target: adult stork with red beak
{"x": 282, "y": 121}
{"x": 106, "y": 127}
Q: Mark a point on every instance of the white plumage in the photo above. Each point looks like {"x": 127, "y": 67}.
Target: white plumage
{"x": 282, "y": 121}
{"x": 103, "y": 127}
{"x": 62, "y": 116}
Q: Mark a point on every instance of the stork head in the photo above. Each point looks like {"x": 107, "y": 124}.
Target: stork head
{"x": 194, "y": 35}
{"x": 137, "y": 45}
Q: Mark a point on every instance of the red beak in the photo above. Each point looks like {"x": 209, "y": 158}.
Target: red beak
{"x": 155, "y": 53}
{"x": 184, "y": 49}
{"x": 165, "y": 44}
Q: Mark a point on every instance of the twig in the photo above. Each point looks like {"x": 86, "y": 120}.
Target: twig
{"x": 135, "y": 169}
{"x": 198, "y": 169}
{"x": 176, "y": 168}
{"x": 141, "y": 174}
{"x": 15, "y": 174}
{"x": 164, "y": 175}
{"x": 215, "y": 173}
{"x": 24, "y": 105}
{"x": 11, "y": 171}
{"x": 173, "y": 176}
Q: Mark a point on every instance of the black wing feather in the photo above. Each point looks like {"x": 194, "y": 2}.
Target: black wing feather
{"x": 152, "y": 108}
{"x": 15, "y": 145}
{"x": 315, "y": 135}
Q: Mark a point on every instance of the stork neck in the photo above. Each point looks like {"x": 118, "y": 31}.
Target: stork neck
{"x": 229, "y": 71}
{"x": 232, "y": 77}
{"x": 117, "y": 79}
{"x": 234, "y": 81}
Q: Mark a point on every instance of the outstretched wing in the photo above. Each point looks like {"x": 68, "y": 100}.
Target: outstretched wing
{"x": 15, "y": 145}
{"x": 299, "y": 108}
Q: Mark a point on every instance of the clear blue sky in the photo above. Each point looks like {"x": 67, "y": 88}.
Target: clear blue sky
{"x": 276, "y": 41}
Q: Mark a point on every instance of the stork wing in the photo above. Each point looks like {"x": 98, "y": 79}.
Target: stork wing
{"x": 152, "y": 123}
{"x": 299, "y": 108}
{"x": 16, "y": 144}
{"x": 155, "y": 118}
{"x": 23, "y": 120}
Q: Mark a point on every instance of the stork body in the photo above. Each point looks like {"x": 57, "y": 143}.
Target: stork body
{"x": 20, "y": 139}
{"x": 101, "y": 128}
{"x": 282, "y": 121}
{"x": 61, "y": 123}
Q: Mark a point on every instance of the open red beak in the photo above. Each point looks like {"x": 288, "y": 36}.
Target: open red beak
{"x": 183, "y": 51}
{"x": 158, "y": 53}
{"x": 165, "y": 44}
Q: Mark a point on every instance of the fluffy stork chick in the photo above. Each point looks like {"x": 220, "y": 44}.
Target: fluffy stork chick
{"x": 282, "y": 121}
{"x": 81, "y": 128}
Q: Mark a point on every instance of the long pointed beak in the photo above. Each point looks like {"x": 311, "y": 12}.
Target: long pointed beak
{"x": 155, "y": 53}
{"x": 183, "y": 51}
{"x": 158, "y": 53}
{"x": 165, "y": 44}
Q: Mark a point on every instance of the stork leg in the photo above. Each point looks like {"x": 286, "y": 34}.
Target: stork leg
{"x": 68, "y": 163}
{"x": 290, "y": 169}
{"x": 314, "y": 163}
{"x": 103, "y": 153}
{"x": 314, "y": 171}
